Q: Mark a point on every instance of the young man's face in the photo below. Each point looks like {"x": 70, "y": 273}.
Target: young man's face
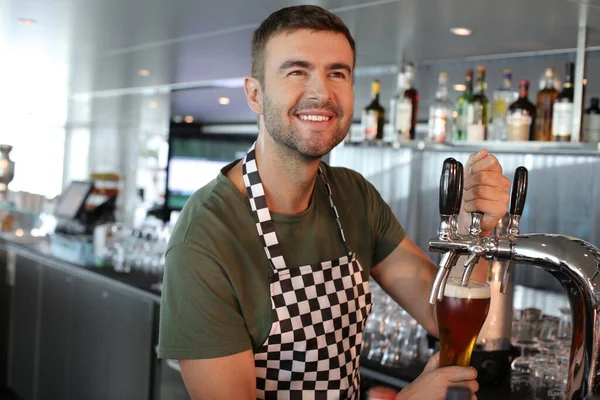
{"x": 308, "y": 98}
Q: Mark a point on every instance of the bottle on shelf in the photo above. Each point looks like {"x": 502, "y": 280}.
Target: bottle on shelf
{"x": 413, "y": 95}
{"x": 521, "y": 116}
{"x": 562, "y": 111}
{"x": 544, "y": 106}
{"x": 503, "y": 97}
{"x": 478, "y": 115}
{"x": 404, "y": 106}
{"x": 440, "y": 112}
{"x": 373, "y": 116}
{"x": 591, "y": 122}
{"x": 462, "y": 107}
{"x": 400, "y": 112}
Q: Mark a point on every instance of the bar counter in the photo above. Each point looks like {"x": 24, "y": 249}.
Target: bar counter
{"x": 112, "y": 321}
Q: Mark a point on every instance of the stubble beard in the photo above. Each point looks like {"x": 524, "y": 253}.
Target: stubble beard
{"x": 286, "y": 135}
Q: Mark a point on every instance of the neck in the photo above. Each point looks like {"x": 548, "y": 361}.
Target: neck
{"x": 288, "y": 178}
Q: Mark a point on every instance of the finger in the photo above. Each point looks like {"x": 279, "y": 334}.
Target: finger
{"x": 487, "y": 163}
{"x": 473, "y": 158}
{"x": 490, "y": 193}
{"x": 459, "y": 374}
{"x": 493, "y": 208}
{"x": 486, "y": 178}
{"x": 433, "y": 363}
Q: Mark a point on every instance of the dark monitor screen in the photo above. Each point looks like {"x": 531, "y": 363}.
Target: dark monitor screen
{"x": 72, "y": 199}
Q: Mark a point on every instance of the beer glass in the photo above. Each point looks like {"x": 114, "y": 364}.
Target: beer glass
{"x": 461, "y": 314}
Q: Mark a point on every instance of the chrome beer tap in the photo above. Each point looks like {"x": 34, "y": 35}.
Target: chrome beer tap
{"x": 450, "y": 198}
{"x": 473, "y": 259}
{"x": 517, "y": 204}
{"x": 574, "y": 262}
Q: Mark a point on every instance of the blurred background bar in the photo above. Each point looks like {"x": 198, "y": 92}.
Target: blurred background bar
{"x": 112, "y": 113}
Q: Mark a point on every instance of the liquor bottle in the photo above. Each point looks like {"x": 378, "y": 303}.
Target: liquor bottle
{"x": 373, "y": 115}
{"x": 440, "y": 113}
{"x": 413, "y": 95}
{"x": 503, "y": 97}
{"x": 544, "y": 106}
{"x": 591, "y": 122}
{"x": 478, "y": 115}
{"x": 562, "y": 111}
{"x": 521, "y": 116}
{"x": 400, "y": 112}
{"x": 462, "y": 107}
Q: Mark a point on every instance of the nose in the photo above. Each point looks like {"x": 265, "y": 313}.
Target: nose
{"x": 318, "y": 88}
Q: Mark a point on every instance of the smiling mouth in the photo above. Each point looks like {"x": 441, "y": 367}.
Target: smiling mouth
{"x": 314, "y": 118}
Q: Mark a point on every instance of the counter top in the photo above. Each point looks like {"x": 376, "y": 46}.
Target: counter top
{"x": 139, "y": 282}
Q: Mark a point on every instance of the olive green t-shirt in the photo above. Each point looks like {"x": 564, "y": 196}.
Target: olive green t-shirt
{"x": 215, "y": 298}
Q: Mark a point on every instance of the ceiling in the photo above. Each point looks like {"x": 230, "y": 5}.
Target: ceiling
{"x": 98, "y": 46}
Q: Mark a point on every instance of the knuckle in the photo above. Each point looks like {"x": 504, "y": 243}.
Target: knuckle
{"x": 479, "y": 191}
{"x": 479, "y": 204}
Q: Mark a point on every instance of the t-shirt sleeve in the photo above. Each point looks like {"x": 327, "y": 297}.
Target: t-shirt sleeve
{"x": 199, "y": 314}
{"x": 387, "y": 230}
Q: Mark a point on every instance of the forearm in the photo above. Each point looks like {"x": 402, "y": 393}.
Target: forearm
{"x": 407, "y": 276}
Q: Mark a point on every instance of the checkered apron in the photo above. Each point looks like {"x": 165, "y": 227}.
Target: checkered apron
{"x": 319, "y": 313}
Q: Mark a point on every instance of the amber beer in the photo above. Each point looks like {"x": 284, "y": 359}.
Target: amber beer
{"x": 461, "y": 314}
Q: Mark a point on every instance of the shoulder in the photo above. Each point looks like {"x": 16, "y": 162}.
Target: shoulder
{"x": 208, "y": 214}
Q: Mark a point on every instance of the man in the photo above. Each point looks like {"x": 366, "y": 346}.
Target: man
{"x": 266, "y": 292}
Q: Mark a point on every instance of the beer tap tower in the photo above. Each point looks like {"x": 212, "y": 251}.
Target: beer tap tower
{"x": 574, "y": 262}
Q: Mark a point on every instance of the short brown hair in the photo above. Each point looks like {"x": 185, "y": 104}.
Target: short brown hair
{"x": 288, "y": 20}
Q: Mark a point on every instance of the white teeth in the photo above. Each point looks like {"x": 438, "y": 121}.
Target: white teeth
{"x": 318, "y": 118}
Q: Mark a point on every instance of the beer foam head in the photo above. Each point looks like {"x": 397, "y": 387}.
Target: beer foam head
{"x": 470, "y": 291}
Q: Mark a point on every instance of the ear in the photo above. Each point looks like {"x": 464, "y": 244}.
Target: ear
{"x": 253, "y": 94}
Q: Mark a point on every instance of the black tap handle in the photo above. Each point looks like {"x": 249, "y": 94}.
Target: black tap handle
{"x": 459, "y": 190}
{"x": 449, "y": 187}
{"x": 519, "y": 191}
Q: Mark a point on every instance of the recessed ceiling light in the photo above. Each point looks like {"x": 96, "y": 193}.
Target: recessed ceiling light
{"x": 189, "y": 119}
{"x": 460, "y": 87}
{"x": 584, "y": 81}
{"x": 144, "y": 72}
{"x": 460, "y": 31}
{"x": 154, "y": 104}
{"x": 224, "y": 100}
{"x": 177, "y": 119}
{"x": 27, "y": 21}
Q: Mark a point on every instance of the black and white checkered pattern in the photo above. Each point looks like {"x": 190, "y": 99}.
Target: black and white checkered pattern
{"x": 320, "y": 311}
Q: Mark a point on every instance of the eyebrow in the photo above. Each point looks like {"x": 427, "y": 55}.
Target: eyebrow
{"x": 307, "y": 65}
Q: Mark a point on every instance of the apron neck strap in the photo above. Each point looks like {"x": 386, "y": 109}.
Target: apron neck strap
{"x": 264, "y": 223}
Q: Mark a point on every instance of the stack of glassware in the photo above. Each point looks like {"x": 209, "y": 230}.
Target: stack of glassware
{"x": 140, "y": 249}
{"x": 392, "y": 337}
{"x": 540, "y": 372}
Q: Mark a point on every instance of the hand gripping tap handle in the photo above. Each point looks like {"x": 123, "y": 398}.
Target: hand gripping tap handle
{"x": 517, "y": 205}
